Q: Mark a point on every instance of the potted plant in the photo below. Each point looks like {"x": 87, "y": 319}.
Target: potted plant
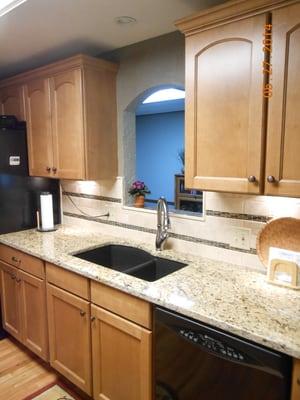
{"x": 138, "y": 189}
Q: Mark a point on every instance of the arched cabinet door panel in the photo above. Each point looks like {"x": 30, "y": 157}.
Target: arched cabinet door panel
{"x": 67, "y": 124}
{"x": 11, "y": 101}
{"x": 39, "y": 135}
{"x": 225, "y": 107}
{"x": 283, "y": 141}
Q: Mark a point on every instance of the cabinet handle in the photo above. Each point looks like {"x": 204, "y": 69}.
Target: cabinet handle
{"x": 82, "y": 313}
{"x": 271, "y": 179}
{"x": 48, "y": 169}
{"x": 15, "y": 259}
{"x": 54, "y": 169}
{"x": 251, "y": 179}
{"x": 18, "y": 280}
{"x": 93, "y": 319}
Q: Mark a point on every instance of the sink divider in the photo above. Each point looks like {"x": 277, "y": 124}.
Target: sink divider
{"x": 137, "y": 267}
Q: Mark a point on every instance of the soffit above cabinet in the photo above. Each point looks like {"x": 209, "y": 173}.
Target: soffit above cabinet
{"x": 77, "y": 61}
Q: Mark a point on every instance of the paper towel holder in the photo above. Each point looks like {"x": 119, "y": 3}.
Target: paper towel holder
{"x": 46, "y": 211}
{"x": 38, "y": 228}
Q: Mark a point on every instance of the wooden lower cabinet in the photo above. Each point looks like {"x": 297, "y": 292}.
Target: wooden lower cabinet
{"x": 70, "y": 336}
{"x": 24, "y": 311}
{"x": 296, "y": 381}
{"x": 10, "y": 300}
{"x": 121, "y": 358}
{"x": 34, "y": 314}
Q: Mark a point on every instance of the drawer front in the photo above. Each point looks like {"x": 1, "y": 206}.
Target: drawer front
{"x": 68, "y": 280}
{"x": 123, "y": 304}
{"x": 21, "y": 260}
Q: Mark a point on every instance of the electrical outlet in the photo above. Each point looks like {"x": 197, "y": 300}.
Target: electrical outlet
{"x": 240, "y": 238}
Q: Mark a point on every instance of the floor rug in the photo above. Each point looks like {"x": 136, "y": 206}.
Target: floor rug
{"x": 57, "y": 391}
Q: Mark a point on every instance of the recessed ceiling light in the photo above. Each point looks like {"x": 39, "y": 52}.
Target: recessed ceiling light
{"x": 8, "y": 5}
{"x": 123, "y": 20}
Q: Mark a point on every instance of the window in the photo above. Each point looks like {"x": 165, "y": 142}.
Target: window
{"x": 160, "y": 151}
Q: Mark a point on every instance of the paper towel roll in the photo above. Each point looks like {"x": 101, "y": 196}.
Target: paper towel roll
{"x": 46, "y": 211}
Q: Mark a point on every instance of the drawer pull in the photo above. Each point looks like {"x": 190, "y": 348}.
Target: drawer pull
{"x": 252, "y": 179}
{"x": 82, "y": 313}
{"x": 271, "y": 179}
{"x": 15, "y": 259}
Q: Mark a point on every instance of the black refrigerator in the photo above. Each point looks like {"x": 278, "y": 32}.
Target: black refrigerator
{"x": 20, "y": 193}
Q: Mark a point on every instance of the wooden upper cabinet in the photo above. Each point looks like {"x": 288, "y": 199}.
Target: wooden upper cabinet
{"x": 224, "y": 127}
{"x": 71, "y": 116}
{"x": 67, "y": 124}
{"x": 11, "y": 101}
{"x": 283, "y": 140}
{"x": 37, "y": 106}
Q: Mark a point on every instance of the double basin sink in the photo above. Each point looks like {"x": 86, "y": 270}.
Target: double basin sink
{"x": 131, "y": 261}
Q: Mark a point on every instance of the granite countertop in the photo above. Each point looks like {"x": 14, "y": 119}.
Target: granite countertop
{"x": 233, "y": 298}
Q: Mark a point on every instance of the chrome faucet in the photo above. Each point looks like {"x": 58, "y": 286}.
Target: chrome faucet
{"x": 163, "y": 223}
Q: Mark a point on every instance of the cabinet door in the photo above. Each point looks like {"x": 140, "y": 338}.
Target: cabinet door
{"x": 11, "y": 101}
{"x": 67, "y": 124}
{"x": 40, "y": 147}
{"x": 296, "y": 381}
{"x": 34, "y": 314}
{"x": 283, "y": 141}
{"x": 121, "y": 358}
{"x": 10, "y": 300}
{"x": 224, "y": 108}
{"x": 69, "y": 336}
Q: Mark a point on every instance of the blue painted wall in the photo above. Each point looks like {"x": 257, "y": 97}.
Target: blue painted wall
{"x": 159, "y": 137}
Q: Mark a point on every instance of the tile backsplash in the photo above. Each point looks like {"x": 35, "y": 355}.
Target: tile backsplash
{"x": 84, "y": 203}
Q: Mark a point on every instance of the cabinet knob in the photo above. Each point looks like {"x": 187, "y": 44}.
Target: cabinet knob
{"x": 13, "y": 277}
{"x": 82, "y": 313}
{"x": 48, "y": 169}
{"x": 18, "y": 280}
{"x": 251, "y": 179}
{"x": 54, "y": 169}
{"x": 93, "y": 319}
{"x": 15, "y": 260}
{"x": 271, "y": 179}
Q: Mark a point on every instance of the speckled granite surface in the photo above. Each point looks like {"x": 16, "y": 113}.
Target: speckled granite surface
{"x": 232, "y": 298}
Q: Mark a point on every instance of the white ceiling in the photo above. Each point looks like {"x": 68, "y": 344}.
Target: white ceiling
{"x": 41, "y": 31}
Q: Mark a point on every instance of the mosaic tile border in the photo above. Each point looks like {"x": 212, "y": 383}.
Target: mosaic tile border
{"x": 153, "y": 231}
{"x": 210, "y": 213}
{"x": 92, "y": 197}
{"x": 246, "y": 217}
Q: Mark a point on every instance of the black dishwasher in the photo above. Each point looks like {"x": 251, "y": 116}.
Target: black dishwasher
{"x": 194, "y": 361}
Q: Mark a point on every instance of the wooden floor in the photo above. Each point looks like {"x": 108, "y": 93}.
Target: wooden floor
{"x": 21, "y": 374}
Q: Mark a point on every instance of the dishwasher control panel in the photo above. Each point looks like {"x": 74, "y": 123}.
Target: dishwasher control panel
{"x": 213, "y": 345}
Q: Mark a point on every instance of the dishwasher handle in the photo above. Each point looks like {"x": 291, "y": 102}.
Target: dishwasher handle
{"x": 224, "y": 345}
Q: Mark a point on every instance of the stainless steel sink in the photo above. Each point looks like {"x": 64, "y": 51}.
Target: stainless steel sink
{"x": 131, "y": 261}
